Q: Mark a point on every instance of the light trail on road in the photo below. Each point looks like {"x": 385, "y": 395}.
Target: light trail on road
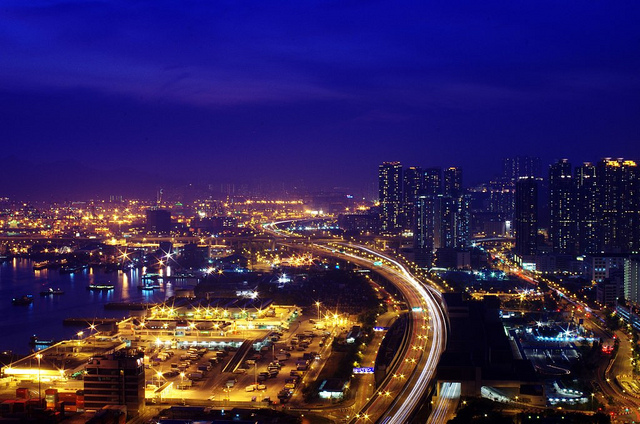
{"x": 399, "y": 397}
{"x": 429, "y": 300}
{"x": 449, "y": 394}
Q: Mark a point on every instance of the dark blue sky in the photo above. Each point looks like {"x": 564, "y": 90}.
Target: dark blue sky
{"x": 320, "y": 91}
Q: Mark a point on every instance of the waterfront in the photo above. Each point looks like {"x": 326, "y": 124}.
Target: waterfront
{"x": 44, "y": 317}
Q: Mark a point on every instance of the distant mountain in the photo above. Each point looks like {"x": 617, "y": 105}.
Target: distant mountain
{"x": 71, "y": 180}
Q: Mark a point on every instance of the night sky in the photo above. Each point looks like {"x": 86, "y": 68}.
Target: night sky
{"x": 316, "y": 91}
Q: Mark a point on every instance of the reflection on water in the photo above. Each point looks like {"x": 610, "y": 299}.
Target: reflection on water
{"x": 44, "y": 316}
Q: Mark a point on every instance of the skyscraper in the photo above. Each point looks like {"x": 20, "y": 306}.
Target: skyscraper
{"x": 521, "y": 166}
{"x": 631, "y": 206}
{"x": 433, "y": 181}
{"x": 444, "y": 235}
{"x": 501, "y": 198}
{"x": 587, "y": 209}
{"x": 442, "y": 215}
{"x": 390, "y": 195}
{"x": 526, "y": 216}
{"x": 563, "y": 229}
{"x": 452, "y": 182}
{"x": 632, "y": 279}
{"x": 413, "y": 182}
{"x": 423, "y": 233}
{"x": 463, "y": 216}
{"x": 619, "y": 205}
{"x": 451, "y": 229}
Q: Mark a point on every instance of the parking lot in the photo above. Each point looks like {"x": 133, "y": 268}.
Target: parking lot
{"x": 234, "y": 374}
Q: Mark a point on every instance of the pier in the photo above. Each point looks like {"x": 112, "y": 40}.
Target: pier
{"x": 89, "y": 321}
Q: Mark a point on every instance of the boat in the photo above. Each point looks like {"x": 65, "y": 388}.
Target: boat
{"x": 149, "y": 286}
{"x": 145, "y": 287}
{"x": 40, "y": 265}
{"x": 52, "y": 291}
{"x": 100, "y": 287}
{"x": 38, "y": 344}
{"x": 185, "y": 275}
{"x": 70, "y": 269}
{"x": 25, "y": 300}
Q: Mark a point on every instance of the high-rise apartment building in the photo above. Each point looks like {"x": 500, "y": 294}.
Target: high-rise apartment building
{"x": 463, "y": 217}
{"x": 521, "y": 166}
{"x": 586, "y": 203}
{"x": 445, "y": 222}
{"x": 423, "y": 233}
{"x": 433, "y": 181}
{"x": 563, "y": 228}
{"x": 390, "y": 195}
{"x": 501, "y": 198}
{"x": 115, "y": 379}
{"x": 619, "y": 205}
{"x": 442, "y": 214}
{"x": 526, "y": 216}
{"x": 632, "y": 280}
{"x": 452, "y": 182}
{"x": 413, "y": 183}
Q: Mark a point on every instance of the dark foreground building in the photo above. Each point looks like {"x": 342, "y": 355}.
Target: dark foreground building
{"x": 158, "y": 221}
{"x": 115, "y": 379}
{"x": 480, "y": 354}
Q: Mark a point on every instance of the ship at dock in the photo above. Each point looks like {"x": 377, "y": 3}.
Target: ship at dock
{"x": 100, "y": 287}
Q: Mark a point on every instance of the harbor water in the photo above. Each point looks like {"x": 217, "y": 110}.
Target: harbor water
{"x": 44, "y": 317}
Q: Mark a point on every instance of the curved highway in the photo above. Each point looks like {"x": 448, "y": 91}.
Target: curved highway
{"x": 400, "y": 395}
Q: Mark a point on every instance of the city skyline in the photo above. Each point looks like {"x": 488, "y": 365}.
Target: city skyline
{"x": 224, "y": 93}
{"x": 319, "y": 211}
{"x": 62, "y": 181}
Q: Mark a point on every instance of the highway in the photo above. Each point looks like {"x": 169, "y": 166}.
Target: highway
{"x": 446, "y": 403}
{"x": 401, "y": 394}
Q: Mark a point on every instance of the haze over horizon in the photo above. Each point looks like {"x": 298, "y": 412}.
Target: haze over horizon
{"x": 320, "y": 92}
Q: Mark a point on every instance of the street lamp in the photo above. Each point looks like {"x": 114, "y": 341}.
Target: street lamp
{"x": 182, "y": 385}
{"x": 92, "y": 327}
{"x": 39, "y": 357}
{"x": 318, "y": 305}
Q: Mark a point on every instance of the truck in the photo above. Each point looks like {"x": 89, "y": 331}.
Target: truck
{"x": 184, "y": 385}
{"x": 196, "y": 375}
